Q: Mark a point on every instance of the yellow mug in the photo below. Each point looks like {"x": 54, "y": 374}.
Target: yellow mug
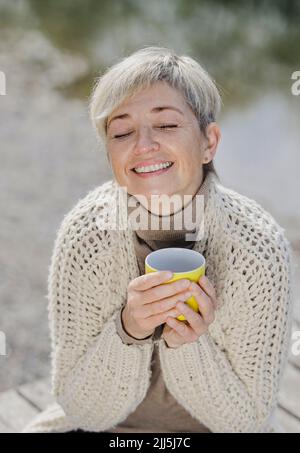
{"x": 184, "y": 263}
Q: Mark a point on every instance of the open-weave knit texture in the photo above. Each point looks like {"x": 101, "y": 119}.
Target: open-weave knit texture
{"x": 228, "y": 379}
{"x": 159, "y": 412}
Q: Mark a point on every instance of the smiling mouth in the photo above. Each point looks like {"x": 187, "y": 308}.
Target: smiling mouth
{"x": 162, "y": 169}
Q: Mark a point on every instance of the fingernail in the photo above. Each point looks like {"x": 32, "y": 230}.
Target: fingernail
{"x": 185, "y": 283}
{"x": 184, "y": 296}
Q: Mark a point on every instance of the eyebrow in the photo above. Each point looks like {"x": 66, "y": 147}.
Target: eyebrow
{"x": 154, "y": 110}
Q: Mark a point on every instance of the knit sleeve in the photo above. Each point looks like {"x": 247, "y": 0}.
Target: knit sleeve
{"x": 96, "y": 378}
{"x": 125, "y": 337}
{"x": 234, "y": 388}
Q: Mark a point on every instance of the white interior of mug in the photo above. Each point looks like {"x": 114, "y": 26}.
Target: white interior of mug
{"x": 175, "y": 259}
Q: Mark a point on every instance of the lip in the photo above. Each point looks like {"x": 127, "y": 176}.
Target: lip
{"x": 147, "y": 163}
{"x": 153, "y": 173}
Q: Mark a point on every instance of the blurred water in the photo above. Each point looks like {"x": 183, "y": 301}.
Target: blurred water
{"x": 51, "y": 51}
{"x": 259, "y": 153}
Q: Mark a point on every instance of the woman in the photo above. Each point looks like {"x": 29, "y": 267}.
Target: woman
{"x": 122, "y": 362}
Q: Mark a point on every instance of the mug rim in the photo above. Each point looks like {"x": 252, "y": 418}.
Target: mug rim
{"x": 189, "y": 251}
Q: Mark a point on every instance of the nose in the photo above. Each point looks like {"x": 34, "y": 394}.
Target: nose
{"x": 145, "y": 142}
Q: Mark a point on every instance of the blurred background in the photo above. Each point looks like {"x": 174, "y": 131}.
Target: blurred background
{"x": 52, "y": 50}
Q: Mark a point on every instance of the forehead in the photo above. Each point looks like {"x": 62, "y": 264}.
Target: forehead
{"x": 160, "y": 91}
{"x": 159, "y": 97}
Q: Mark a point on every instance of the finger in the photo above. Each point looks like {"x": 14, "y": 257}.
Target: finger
{"x": 171, "y": 336}
{"x": 183, "y": 330}
{"x": 161, "y": 318}
{"x": 146, "y": 281}
{"x": 195, "y": 321}
{"x": 206, "y": 307}
{"x": 165, "y": 290}
{"x": 162, "y": 305}
{"x": 208, "y": 287}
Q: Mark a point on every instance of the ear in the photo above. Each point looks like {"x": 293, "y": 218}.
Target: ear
{"x": 213, "y": 137}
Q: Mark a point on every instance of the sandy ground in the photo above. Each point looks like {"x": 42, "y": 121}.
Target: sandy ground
{"x": 49, "y": 159}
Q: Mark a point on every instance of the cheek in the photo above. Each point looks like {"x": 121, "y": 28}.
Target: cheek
{"x": 121, "y": 170}
{"x": 190, "y": 161}
{"x": 188, "y": 149}
{"x": 196, "y": 156}
{"x": 117, "y": 162}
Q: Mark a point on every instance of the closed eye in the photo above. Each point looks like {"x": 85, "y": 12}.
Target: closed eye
{"x": 168, "y": 126}
{"x": 164, "y": 126}
{"x": 123, "y": 135}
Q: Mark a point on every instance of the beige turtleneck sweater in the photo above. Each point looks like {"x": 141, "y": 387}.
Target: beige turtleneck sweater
{"x": 159, "y": 411}
{"x": 228, "y": 379}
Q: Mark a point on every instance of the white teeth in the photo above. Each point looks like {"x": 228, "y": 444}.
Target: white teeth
{"x": 153, "y": 167}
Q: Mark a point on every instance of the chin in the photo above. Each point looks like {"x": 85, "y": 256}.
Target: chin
{"x": 153, "y": 190}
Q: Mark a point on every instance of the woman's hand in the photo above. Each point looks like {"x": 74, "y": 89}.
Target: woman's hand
{"x": 150, "y": 302}
{"x": 177, "y": 333}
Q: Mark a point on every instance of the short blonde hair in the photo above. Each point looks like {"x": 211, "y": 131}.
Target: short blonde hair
{"x": 142, "y": 69}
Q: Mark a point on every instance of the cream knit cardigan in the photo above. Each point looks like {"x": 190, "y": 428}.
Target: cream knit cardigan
{"x": 228, "y": 379}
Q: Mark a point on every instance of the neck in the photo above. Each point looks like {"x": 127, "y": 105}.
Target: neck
{"x": 173, "y": 226}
